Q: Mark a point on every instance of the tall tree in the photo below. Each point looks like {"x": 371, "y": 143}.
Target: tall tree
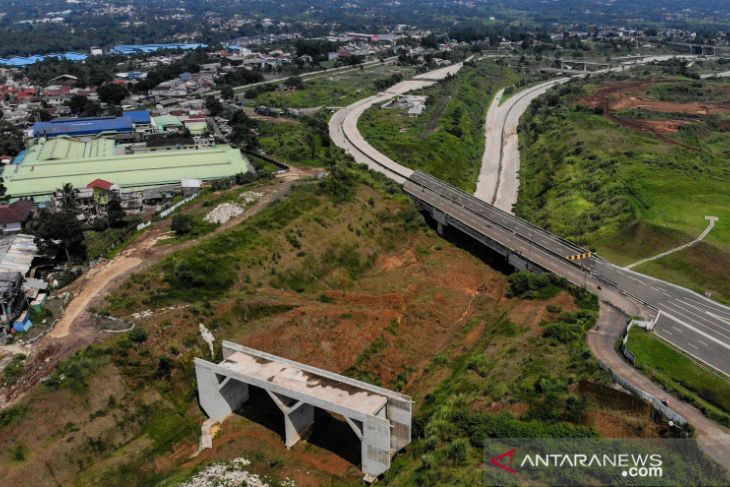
{"x": 113, "y": 94}
{"x": 52, "y": 229}
{"x": 227, "y": 92}
{"x": 77, "y": 103}
{"x": 213, "y": 105}
{"x": 11, "y": 139}
{"x": 115, "y": 213}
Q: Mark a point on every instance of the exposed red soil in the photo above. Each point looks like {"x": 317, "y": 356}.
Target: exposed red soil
{"x": 626, "y": 95}
{"x": 532, "y": 313}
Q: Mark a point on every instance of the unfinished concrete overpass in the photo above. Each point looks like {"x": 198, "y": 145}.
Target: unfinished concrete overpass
{"x": 380, "y": 418}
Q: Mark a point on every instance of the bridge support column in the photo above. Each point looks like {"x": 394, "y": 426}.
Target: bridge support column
{"x": 440, "y": 220}
{"x": 298, "y": 417}
{"x": 376, "y": 447}
{"x": 219, "y": 396}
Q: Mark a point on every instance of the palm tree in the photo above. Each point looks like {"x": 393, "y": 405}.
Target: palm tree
{"x": 68, "y": 198}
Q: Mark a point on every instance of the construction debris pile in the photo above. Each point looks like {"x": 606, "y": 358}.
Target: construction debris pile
{"x": 230, "y": 474}
{"x": 223, "y": 212}
{"x": 249, "y": 197}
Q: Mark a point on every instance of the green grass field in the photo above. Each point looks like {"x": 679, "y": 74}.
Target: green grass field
{"x": 678, "y": 373}
{"x": 626, "y": 194}
{"x": 447, "y": 140}
{"x": 304, "y": 142}
{"x": 332, "y": 89}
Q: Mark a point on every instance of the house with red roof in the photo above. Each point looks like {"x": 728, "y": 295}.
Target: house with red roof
{"x": 13, "y": 216}
{"x": 103, "y": 185}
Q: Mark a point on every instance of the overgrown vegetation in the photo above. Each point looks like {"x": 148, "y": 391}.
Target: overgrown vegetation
{"x": 13, "y": 370}
{"x": 625, "y": 192}
{"x": 335, "y": 89}
{"x": 306, "y": 143}
{"x": 258, "y": 246}
{"x": 447, "y": 139}
{"x": 515, "y": 382}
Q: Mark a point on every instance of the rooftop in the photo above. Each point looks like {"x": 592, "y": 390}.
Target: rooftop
{"x": 50, "y": 164}
{"x": 15, "y": 212}
{"x": 91, "y": 125}
{"x": 17, "y": 253}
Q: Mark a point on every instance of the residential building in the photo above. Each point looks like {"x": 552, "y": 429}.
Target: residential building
{"x": 15, "y": 215}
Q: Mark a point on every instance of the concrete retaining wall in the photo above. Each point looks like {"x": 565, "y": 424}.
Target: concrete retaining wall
{"x": 666, "y": 411}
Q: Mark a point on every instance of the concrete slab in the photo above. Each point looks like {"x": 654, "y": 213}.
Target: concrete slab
{"x": 307, "y": 383}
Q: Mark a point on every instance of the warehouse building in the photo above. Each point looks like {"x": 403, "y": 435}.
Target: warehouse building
{"x": 51, "y": 163}
{"x": 129, "y": 123}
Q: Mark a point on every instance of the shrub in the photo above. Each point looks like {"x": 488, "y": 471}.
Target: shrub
{"x": 206, "y": 275}
{"x": 7, "y": 416}
{"x": 458, "y": 451}
{"x": 18, "y": 452}
{"x": 75, "y": 370}
{"x": 138, "y": 335}
{"x": 14, "y": 369}
{"x": 182, "y": 224}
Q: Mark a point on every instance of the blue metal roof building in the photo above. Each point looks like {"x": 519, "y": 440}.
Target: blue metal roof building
{"x": 141, "y": 117}
{"x": 91, "y": 125}
{"x": 147, "y": 48}
{"x": 18, "y": 61}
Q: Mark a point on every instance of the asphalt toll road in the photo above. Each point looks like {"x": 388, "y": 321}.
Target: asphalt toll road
{"x": 704, "y": 330}
{"x": 345, "y": 134}
{"x": 688, "y": 320}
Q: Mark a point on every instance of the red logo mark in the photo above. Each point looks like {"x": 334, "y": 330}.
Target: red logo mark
{"x": 509, "y": 454}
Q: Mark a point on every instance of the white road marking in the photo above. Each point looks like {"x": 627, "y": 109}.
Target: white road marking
{"x": 693, "y": 319}
{"x": 696, "y": 330}
{"x": 708, "y": 307}
{"x": 667, "y": 332}
{"x": 709, "y": 313}
{"x": 702, "y": 343}
{"x": 693, "y": 346}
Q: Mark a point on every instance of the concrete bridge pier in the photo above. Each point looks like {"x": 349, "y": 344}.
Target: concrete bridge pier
{"x": 440, "y": 219}
{"x": 219, "y": 395}
{"x": 380, "y": 418}
{"x": 298, "y": 417}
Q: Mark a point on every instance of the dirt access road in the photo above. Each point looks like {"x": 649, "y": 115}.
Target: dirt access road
{"x": 498, "y": 181}
{"x": 70, "y": 333}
